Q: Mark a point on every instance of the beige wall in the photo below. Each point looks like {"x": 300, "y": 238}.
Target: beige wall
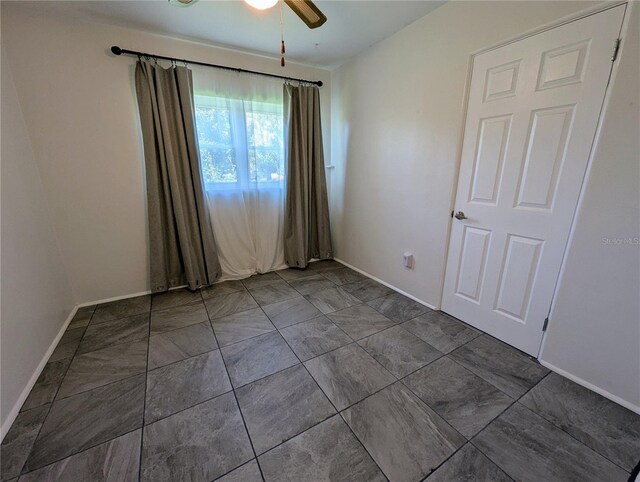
{"x": 397, "y": 114}
{"x": 396, "y": 122}
{"x": 36, "y": 294}
{"x": 594, "y": 329}
{"x": 80, "y": 109}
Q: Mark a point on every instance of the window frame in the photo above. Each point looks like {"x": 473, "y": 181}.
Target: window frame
{"x": 238, "y": 111}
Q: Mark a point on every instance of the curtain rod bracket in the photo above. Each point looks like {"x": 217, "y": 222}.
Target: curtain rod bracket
{"x": 119, "y": 51}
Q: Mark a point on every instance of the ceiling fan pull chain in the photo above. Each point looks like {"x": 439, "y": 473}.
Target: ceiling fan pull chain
{"x": 282, "y": 49}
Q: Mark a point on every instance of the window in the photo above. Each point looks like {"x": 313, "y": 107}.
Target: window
{"x": 241, "y": 143}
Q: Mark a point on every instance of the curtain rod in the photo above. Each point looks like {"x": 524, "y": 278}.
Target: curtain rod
{"x": 118, "y": 51}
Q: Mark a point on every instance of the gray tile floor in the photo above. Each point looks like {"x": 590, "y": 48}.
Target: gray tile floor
{"x": 319, "y": 374}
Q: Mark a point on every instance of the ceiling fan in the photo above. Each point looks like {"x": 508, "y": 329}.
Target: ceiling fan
{"x": 305, "y": 9}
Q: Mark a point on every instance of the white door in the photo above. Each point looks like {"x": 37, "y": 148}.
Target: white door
{"x": 531, "y": 121}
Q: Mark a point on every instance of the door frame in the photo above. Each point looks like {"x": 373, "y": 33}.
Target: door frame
{"x": 465, "y": 107}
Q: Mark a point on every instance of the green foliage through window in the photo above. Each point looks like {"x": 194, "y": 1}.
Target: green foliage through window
{"x": 241, "y": 142}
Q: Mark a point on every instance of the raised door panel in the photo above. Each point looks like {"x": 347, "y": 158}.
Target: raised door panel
{"x": 519, "y": 267}
{"x": 493, "y": 137}
{"x": 544, "y": 156}
{"x": 501, "y": 81}
{"x": 473, "y": 258}
{"x": 563, "y": 65}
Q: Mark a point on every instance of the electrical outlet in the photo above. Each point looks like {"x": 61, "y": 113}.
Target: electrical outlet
{"x": 408, "y": 260}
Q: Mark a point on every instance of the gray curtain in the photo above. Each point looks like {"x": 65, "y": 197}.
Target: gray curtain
{"x": 306, "y": 223}
{"x": 182, "y": 247}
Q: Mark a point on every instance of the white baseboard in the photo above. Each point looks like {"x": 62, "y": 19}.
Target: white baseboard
{"x": 115, "y": 298}
{"x": 592, "y": 387}
{"x": 559, "y": 371}
{"x": 34, "y": 378}
{"x": 124, "y": 297}
{"x": 389, "y": 285}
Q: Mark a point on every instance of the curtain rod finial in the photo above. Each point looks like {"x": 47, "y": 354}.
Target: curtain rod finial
{"x": 116, "y": 50}
{"x": 320, "y": 83}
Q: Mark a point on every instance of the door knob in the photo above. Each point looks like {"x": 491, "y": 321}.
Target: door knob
{"x": 460, "y": 215}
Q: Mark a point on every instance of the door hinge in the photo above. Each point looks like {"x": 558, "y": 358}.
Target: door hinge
{"x": 546, "y": 323}
{"x": 616, "y": 48}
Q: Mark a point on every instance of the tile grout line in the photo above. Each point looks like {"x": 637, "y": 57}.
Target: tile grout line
{"x": 338, "y": 413}
{"x": 106, "y": 384}
{"x": 219, "y": 347}
{"x": 53, "y": 401}
{"x": 396, "y": 380}
{"x": 300, "y": 362}
{"x": 144, "y": 400}
{"x": 467, "y": 440}
{"x": 85, "y": 391}
{"x": 322, "y": 391}
{"x": 517, "y": 401}
{"x": 146, "y": 375}
{"x": 559, "y": 427}
{"x": 235, "y": 397}
{"x": 278, "y": 330}
{"x": 76, "y": 453}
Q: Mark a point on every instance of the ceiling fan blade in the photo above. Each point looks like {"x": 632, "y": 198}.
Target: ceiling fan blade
{"x": 308, "y": 12}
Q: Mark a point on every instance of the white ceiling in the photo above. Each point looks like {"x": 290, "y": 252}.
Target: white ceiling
{"x": 352, "y": 26}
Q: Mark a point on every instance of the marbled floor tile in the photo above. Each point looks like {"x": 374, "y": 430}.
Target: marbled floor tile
{"x": 121, "y": 309}
{"x": 343, "y": 276}
{"x": 311, "y": 284}
{"x": 504, "y": 367}
{"x": 184, "y": 384}
{"x": 291, "y": 274}
{"x": 169, "y": 299}
{"x": 72, "y": 335}
{"x": 468, "y": 465}
{"x": 405, "y": 437}
{"x": 100, "y": 367}
{"x": 222, "y": 288}
{"x": 398, "y": 308}
{"x": 606, "y": 427}
{"x": 65, "y": 350}
{"x": 332, "y": 299}
{"x": 290, "y": 312}
{"x": 45, "y": 389}
{"x": 463, "y": 399}
{"x": 314, "y": 337}
{"x": 115, "y": 332}
{"x": 178, "y": 317}
{"x": 258, "y": 280}
{"x": 441, "y": 331}
{"x": 198, "y": 444}
{"x": 273, "y": 292}
{"x": 328, "y": 451}
{"x": 399, "y": 351}
{"x": 367, "y": 290}
{"x": 18, "y": 441}
{"x": 257, "y": 357}
{"x": 360, "y": 321}
{"x": 324, "y": 265}
{"x": 115, "y": 461}
{"x": 240, "y": 326}
{"x": 528, "y": 448}
{"x": 229, "y": 304}
{"x": 89, "y": 418}
{"x": 348, "y": 374}
{"x": 176, "y": 345}
{"x": 68, "y": 343}
{"x": 82, "y": 317}
{"x": 281, "y": 406}
{"x": 249, "y": 472}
